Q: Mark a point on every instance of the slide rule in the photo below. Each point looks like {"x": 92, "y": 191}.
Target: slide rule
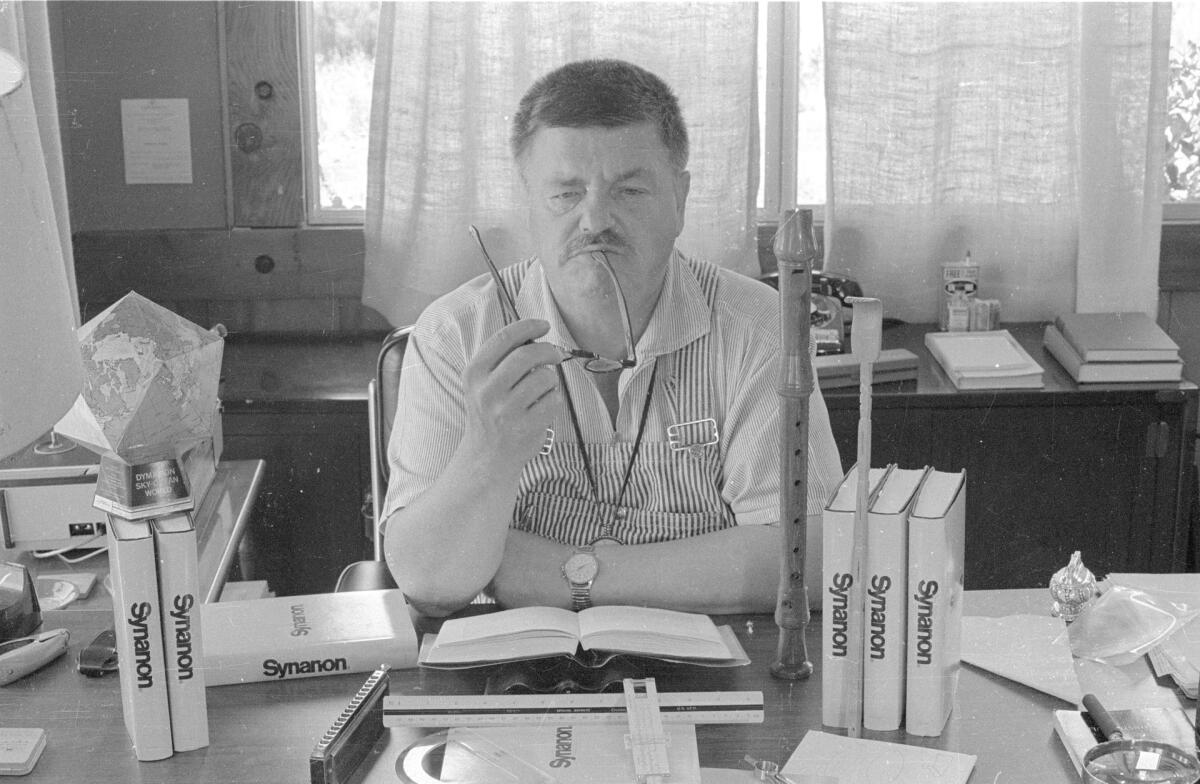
{"x": 647, "y": 741}
{"x": 690, "y": 707}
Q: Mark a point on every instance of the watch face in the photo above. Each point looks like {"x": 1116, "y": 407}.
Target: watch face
{"x": 581, "y": 568}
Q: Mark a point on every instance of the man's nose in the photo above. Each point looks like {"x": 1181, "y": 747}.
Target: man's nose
{"x": 597, "y": 213}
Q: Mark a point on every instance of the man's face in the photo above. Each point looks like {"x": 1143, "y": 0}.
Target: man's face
{"x": 603, "y": 189}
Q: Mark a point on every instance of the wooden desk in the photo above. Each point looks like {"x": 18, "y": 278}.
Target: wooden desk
{"x": 221, "y": 524}
{"x": 263, "y": 732}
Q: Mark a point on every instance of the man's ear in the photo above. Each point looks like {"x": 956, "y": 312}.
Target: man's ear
{"x": 683, "y": 186}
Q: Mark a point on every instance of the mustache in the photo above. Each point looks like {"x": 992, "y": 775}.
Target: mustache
{"x": 606, "y": 237}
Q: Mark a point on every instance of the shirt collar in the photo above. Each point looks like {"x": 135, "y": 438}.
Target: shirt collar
{"x": 680, "y": 316}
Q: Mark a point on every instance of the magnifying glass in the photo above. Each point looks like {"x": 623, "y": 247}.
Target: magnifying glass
{"x": 1122, "y": 760}
{"x": 1126, "y": 761}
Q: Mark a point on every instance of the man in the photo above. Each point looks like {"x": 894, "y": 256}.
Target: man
{"x": 518, "y": 471}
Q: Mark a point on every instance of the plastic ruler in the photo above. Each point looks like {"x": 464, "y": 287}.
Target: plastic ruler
{"x": 690, "y": 707}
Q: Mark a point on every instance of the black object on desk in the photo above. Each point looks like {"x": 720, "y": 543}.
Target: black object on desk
{"x": 353, "y": 733}
{"x": 99, "y": 657}
{"x": 20, "y": 612}
{"x": 564, "y": 675}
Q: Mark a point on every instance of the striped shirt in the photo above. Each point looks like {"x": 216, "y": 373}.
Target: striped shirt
{"x": 712, "y": 347}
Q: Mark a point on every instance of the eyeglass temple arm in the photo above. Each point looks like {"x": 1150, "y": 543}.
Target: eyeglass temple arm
{"x": 602, "y": 259}
{"x": 506, "y": 301}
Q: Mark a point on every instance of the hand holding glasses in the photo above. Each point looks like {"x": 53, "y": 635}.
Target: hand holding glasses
{"x": 592, "y": 362}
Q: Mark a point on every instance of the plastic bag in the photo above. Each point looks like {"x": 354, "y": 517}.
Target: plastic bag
{"x": 1123, "y": 623}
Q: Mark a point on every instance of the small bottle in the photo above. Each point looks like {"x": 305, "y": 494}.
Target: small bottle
{"x": 960, "y": 282}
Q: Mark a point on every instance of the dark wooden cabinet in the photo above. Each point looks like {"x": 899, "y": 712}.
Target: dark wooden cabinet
{"x": 301, "y": 407}
{"x": 1104, "y": 469}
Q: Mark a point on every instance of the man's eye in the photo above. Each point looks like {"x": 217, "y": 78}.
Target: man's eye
{"x": 632, "y": 190}
{"x": 564, "y": 200}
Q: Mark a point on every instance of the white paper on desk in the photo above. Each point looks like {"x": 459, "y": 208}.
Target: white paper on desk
{"x": 1030, "y": 649}
{"x": 822, "y": 758}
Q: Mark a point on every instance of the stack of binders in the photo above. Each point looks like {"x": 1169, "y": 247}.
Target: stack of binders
{"x": 1113, "y": 348}
{"x": 156, "y": 609}
{"x": 911, "y": 595}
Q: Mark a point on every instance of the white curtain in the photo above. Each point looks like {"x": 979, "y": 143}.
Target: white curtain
{"x": 40, "y": 365}
{"x": 448, "y": 77}
{"x": 1030, "y": 134}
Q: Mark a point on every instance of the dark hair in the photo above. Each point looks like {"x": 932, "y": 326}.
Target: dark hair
{"x": 605, "y": 93}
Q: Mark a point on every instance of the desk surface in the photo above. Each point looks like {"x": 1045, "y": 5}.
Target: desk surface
{"x": 220, "y": 520}
{"x": 263, "y": 732}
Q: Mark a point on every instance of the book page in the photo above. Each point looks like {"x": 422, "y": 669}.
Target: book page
{"x": 499, "y": 649}
{"x": 509, "y": 624}
{"x": 651, "y": 631}
{"x": 977, "y": 352}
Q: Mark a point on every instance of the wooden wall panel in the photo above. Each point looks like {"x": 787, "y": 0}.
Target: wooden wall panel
{"x": 109, "y": 51}
{"x": 1179, "y": 259}
{"x": 305, "y": 281}
{"x": 1179, "y": 315}
{"x": 264, "y": 114}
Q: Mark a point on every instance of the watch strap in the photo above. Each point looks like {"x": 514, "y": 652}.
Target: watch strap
{"x": 581, "y": 593}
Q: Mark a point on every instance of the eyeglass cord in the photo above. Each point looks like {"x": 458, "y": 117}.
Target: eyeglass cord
{"x": 606, "y": 528}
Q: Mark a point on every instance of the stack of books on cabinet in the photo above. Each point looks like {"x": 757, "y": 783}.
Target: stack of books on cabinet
{"x": 1113, "y": 347}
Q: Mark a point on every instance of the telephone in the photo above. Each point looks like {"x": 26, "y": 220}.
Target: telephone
{"x": 831, "y": 315}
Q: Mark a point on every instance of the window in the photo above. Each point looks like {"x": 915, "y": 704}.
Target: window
{"x": 338, "y": 57}
{"x": 338, "y": 42}
{"x": 791, "y": 106}
{"x": 1183, "y": 115}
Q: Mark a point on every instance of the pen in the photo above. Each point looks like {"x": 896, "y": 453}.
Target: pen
{"x": 1104, "y": 720}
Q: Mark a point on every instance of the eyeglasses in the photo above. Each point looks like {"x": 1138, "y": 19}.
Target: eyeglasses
{"x": 592, "y": 362}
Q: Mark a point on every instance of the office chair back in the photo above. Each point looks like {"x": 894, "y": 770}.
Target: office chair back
{"x": 382, "y": 392}
{"x": 382, "y": 400}
{"x": 385, "y": 388}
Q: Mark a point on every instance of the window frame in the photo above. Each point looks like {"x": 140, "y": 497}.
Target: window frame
{"x": 780, "y": 108}
{"x": 314, "y": 213}
{"x": 1181, "y": 212}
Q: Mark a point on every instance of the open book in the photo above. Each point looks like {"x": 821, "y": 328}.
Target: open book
{"x": 539, "y": 632}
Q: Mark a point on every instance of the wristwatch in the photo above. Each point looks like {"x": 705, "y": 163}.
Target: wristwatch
{"x": 580, "y": 571}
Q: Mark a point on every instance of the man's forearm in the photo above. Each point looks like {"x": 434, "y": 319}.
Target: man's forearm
{"x": 445, "y": 546}
{"x": 734, "y": 570}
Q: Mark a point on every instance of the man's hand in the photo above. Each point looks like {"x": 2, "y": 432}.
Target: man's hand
{"x": 511, "y": 391}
